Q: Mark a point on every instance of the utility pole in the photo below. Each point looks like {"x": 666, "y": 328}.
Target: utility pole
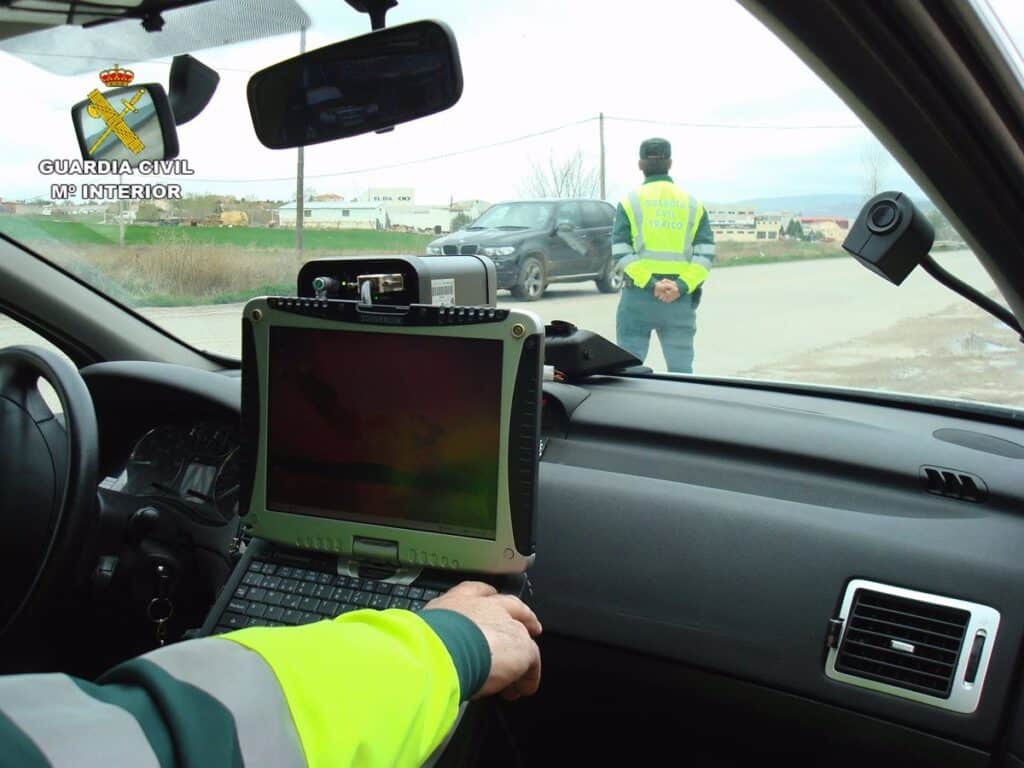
{"x": 601, "y": 124}
{"x": 120, "y": 215}
{"x": 300, "y": 208}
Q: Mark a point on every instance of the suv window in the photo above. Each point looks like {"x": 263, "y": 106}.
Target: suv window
{"x": 597, "y": 215}
{"x": 571, "y": 213}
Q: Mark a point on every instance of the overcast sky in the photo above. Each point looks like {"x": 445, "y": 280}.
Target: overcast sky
{"x": 529, "y": 66}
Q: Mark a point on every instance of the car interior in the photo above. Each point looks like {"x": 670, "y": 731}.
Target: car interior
{"x": 728, "y": 570}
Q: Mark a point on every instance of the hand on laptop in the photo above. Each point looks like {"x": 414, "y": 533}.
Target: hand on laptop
{"x": 509, "y": 626}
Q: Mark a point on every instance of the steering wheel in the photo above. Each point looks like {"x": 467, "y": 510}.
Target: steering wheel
{"x": 48, "y": 474}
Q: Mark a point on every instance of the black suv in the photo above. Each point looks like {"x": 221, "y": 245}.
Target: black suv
{"x": 537, "y": 242}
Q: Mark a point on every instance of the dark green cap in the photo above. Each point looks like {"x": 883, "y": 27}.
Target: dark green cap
{"x": 655, "y": 148}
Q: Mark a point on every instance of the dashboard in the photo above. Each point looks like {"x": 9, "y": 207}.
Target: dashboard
{"x": 193, "y": 466}
{"x": 753, "y": 508}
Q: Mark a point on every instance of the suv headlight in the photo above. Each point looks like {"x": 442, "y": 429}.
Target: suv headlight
{"x": 504, "y": 250}
{"x": 434, "y": 250}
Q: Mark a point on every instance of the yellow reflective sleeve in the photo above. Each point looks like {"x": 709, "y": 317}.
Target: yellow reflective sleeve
{"x": 693, "y": 275}
{"x": 368, "y": 688}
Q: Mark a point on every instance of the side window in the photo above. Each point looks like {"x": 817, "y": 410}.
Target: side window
{"x": 596, "y": 215}
{"x": 13, "y": 333}
{"x": 571, "y": 213}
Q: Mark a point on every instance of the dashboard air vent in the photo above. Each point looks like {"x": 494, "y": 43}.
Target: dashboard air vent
{"x": 909, "y": 643}
{"x": 954, "y": 484}
{"x": 915, "y": 645}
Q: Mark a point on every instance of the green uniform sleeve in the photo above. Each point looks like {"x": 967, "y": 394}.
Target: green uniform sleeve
{"x": 467, "y": 646}
{"x": 622, "y": 234}
{"x": 704, "y": 235}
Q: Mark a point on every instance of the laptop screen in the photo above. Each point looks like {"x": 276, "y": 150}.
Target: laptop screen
{"x": 390, "y": 429}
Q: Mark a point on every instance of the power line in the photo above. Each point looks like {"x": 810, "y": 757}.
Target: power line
{"x": 738, "y": 126}
{"x": 525, "y": 137}
{"x": 391, "y": 166}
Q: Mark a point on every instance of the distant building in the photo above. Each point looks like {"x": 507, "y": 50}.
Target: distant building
{"x": 335, "y": 215}
{"x": 829, "y": 228}
{"x": 328, "y": 197}
{"x": 769, "y": 225}
{"x": 472, "y": 208}
{"x": 420, "y": 218}
{"x": 744, "y": 225}
{"x": 388, "y": 195}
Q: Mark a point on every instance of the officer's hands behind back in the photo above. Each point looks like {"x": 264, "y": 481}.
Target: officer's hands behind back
{"x": 666, "y": 290}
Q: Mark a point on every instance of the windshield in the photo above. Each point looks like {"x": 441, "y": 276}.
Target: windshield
{"x": 777, "y": 165}
{"x": 515, "y": 215}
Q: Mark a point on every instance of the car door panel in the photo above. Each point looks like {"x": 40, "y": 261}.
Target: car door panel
{"x": 710, "y": 525}
{"x": 597, "y": 217}
{"x": 572, "y": 244}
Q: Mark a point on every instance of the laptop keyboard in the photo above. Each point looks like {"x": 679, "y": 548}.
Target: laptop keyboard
{"x": 274, "y": 595}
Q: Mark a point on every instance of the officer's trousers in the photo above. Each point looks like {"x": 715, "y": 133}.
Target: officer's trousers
{"x": 640, "y": 313}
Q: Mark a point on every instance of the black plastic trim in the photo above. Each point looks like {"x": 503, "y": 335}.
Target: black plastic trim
{"x": 524, "y": 442}
{"x": 250, "y": 429}
{"x": 346, "y": 310}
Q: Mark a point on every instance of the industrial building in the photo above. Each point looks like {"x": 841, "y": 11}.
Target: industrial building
{"x": 335, "y": 215}
{"x": 420, "y": 218}
{"x": 745, "y": 225}
{"x": 392, "y": 208}
{"x": 828, "y": 228}
{"x": 388, "y": 196}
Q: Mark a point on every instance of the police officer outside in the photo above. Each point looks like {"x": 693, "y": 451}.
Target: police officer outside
{"x": 664, "y": 244}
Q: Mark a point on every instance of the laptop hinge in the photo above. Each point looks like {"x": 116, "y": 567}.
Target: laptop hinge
{"x": 375, "y": 550}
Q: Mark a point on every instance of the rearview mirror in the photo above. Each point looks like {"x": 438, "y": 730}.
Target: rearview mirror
{"x": 133, "y": 123}
{"x": 376, "y": 81}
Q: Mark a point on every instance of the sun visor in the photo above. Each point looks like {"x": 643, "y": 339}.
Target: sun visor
{"x": 186, "y": 29}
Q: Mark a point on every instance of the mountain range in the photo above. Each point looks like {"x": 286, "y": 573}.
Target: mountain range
{"x": 836, "y": 204}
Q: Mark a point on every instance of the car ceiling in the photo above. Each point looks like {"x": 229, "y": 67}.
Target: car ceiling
{"x": 188, "y": 26}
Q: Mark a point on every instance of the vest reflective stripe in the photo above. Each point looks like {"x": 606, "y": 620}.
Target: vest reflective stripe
{"x": 245, "y": 685}
{"x": 70, "y": 728}
{"x": 663, "y": 243}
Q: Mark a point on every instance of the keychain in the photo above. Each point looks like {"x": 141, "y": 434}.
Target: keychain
{"x": 160, "y": 608}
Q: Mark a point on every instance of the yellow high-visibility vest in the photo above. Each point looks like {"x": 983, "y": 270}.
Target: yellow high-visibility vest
{"x": 663, "y": 220}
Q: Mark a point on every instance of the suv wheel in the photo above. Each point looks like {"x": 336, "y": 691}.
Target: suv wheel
{"x": 530, "y": 285}
{"x": 611, "y": 281}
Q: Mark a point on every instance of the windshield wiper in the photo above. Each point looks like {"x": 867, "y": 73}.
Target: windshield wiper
{"x": 476, "y": 227}
{"x": 511, "y": 226}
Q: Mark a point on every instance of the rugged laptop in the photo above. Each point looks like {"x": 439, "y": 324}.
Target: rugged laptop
{"x": 389, "y": 453}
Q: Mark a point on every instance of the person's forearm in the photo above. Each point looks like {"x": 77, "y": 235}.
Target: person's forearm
{"x": 374, "y": 687}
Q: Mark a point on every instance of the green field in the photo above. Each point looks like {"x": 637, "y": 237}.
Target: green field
{"x": 185, "y": 266}
{"x": 30, "y": 229}
{"x": 732, "y": 254}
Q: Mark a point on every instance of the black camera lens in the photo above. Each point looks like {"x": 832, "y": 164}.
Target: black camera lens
{"x": 883, "y": 216}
